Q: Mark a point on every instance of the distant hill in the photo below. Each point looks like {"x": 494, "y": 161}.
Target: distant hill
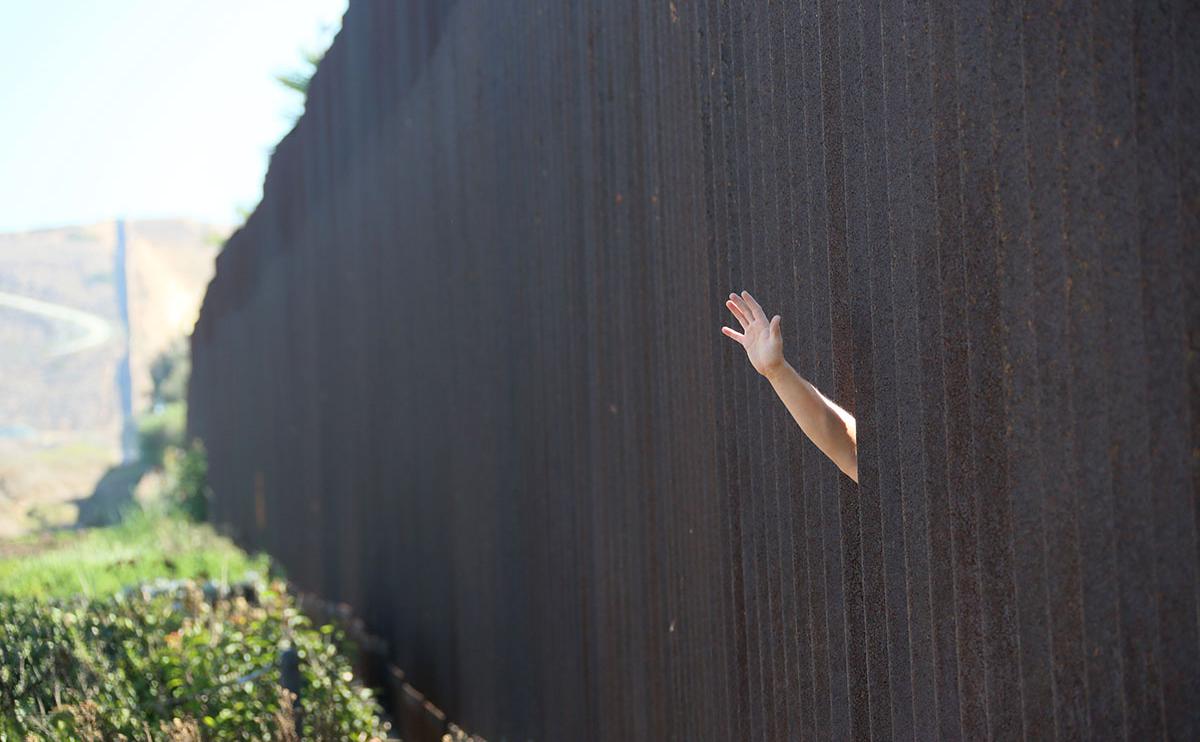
{"x": 61, "y": 338}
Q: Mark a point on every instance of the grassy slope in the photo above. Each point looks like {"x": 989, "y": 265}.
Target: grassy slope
{"x": 101, "y": 561}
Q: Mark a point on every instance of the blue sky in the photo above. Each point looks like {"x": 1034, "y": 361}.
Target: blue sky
{"x": 145, "y": 108}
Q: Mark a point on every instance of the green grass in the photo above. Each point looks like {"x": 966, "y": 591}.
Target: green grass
{"x": 72, "y": 453}
{"x": 146, "y": 546}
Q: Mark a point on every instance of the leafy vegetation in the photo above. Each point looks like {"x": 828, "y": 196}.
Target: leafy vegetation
{"x": 164, "y": 425}
{"x": 299, "y": 80}
{"x": 160, "y": 430}
{"x": 185, "y": 488}
{"x": 188, "y": 661}
{"x": 169, "y": 372}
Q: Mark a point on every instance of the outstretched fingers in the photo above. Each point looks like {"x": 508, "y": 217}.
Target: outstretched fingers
{"x": 729, "y": 331}
{"x": 743, "y": 308}
{"x": 755, "y": 308}
{"x": 737, "y": 313}
{"x": 749, "y": 314}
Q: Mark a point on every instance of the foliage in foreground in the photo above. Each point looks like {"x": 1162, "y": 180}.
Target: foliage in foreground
{"x": 185, "y": 661}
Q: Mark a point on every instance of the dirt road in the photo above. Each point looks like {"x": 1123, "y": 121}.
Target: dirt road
{"x": 95, "y": 329}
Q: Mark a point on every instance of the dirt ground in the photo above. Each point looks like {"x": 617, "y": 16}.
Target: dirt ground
{"x": 42, "y": 480}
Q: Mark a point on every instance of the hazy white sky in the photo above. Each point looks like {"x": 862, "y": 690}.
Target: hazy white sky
{"x": 145, "y": 108}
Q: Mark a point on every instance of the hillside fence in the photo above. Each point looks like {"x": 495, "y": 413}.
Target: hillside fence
{"x": 462, "y": 367}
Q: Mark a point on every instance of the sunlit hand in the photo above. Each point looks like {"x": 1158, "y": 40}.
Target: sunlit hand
{"x": 761, "y": 338}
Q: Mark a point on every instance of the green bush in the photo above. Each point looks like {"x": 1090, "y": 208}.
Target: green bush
{"x": 186, "y": 480}
{"x": 169, "y": 372}
{"x": 158, "y": 662}
{"x": 160, "y": 430}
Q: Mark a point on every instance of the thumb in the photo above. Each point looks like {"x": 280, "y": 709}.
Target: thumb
{"x": 775, "y": 325}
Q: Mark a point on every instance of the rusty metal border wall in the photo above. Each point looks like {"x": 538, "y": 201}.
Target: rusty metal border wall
{"x": 462, "y": 368}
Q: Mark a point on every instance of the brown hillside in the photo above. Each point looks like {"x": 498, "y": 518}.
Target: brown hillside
{"x": 61, "y": 340}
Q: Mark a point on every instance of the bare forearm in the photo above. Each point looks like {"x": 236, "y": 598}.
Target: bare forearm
{"x": 827, "y": 425}
{"x": 830, "y": 427}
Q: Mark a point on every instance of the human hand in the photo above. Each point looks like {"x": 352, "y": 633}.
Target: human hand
{"x": 761, "y": 338}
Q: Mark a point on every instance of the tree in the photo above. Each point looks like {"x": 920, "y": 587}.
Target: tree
{"x": 300, "y": 79}
{"x": 169, "y": 373}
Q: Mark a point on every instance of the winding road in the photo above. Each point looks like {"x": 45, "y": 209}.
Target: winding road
{"x": 96, "y": 329}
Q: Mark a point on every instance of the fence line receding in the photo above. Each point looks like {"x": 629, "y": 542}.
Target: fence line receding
{"x": 462, "y": 367}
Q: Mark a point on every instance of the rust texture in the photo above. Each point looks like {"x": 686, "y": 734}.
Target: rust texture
{"x": 462, "y": 367}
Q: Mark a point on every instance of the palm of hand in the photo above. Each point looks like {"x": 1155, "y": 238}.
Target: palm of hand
{"x": 761, "y": 338}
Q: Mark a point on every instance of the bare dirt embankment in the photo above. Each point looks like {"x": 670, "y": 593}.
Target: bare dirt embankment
{"x": 61, "y": 338}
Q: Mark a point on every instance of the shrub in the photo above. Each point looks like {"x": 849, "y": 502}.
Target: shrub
{"x": 184, "y": 660}
{"x": 186, "y": 480}
{"x": 169, "y": 372}
{"x": 157, "y": 430}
